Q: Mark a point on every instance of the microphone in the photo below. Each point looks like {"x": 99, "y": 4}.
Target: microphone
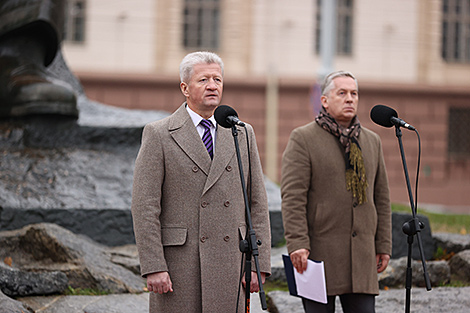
{"x": 227, "y": 117}
{"x": 387, "y": 117}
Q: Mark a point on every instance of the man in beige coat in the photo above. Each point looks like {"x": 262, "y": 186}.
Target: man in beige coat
{"x": 187, "y": 202}
{"x": 335, "y": 199}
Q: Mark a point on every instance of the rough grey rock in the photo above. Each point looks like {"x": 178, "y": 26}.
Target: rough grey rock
{"x": 126, "y": 256}
{"x": 9, "y": 305}
{"x": 395, "y": 274}
{"x": 14, "y": 282}
{"x": 438, "y": 271}
{"x": 49, "y": 247}
{"x": 124, "y": 303}
{"x": 400, "y": 239}
{"x": 460, "y": 266}
{"x": 112, "y": 227}
{"x": 452, "y": 243}
{"x": 275, "y": 215}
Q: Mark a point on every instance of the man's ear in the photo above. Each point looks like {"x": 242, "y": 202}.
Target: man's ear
{"x": 184, "y": 89}
{"x": 324, "y": 101}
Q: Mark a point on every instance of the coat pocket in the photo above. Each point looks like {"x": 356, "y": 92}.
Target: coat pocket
{"x": 174, "y": 236}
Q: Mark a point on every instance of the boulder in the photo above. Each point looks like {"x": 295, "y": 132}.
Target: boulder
{"x": 49, "y": 248}
{"x": 400, "y": 239}
{"x": 460, "y": 266}
{"x": 9, "y": 305}
{"x": 14, "y": 282}
{"x": 452, "y": 243}
{"x": 126, "y": 256}
{"x": 275, "y": 215}
{"x": 438, "y": 271}
{"x": 395, "y": 274}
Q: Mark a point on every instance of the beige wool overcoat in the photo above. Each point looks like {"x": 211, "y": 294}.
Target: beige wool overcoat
{"x": 320, "y": 215}
{"x": 189, "y": 213}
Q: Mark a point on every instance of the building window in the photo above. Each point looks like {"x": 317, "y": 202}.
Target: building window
{"x": 75, "y": 21}
{"x": 201, "y": 20}
{"x": 456, "y": 31}
{"x": 344, "y": 27}
{"x": 459, "y": 136}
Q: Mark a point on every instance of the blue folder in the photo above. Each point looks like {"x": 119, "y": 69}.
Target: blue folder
{"x": 289, "y": 268}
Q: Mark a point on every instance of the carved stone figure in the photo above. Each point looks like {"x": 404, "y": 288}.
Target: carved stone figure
{"x": 30, "y": 36}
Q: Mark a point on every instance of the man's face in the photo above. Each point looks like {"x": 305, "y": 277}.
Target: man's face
{"x": 341, "y": 102}
{"x": 203, "y": 92}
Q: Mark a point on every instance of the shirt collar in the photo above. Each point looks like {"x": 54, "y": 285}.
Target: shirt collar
{"x": 196, "y": 118}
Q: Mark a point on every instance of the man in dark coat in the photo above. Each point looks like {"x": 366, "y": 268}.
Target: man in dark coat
{"x": 335, "y": 199}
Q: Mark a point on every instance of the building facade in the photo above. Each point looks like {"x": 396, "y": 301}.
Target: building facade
{"x": 413, "y": 55}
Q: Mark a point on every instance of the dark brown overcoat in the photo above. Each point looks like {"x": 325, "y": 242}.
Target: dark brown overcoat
{"x": 319, "y": 214}
{"x": 189, "y": 213}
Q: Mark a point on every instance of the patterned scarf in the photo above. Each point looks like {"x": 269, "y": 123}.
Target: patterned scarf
{"x": 356, "y": 180}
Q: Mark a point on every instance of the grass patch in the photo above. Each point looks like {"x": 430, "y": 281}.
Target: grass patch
{"x": 446, "y": 223}
{"x": 271, "y": 285}
{"x": 455, "y": 284}
{"x": 85, "y": 292}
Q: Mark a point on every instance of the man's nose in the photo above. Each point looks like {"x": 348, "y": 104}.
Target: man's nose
{"x": 211, "y": 84}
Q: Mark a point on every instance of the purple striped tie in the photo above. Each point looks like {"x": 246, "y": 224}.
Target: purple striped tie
{"x": 207, "y": 137}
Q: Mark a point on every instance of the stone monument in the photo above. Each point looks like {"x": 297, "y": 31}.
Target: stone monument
{"x": 64, "y": 159}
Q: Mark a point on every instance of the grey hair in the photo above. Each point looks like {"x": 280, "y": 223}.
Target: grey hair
{"x": 329, "y": 84}
{"x": 199, "y": 57}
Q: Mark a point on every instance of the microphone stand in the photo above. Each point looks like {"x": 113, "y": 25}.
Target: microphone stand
{"x": 411, "y": 228}
{"x": 249, "y": 246}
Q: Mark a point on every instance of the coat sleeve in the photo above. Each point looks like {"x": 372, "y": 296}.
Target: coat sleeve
{"x": 383, "y": 237}
{"x": 146, "y": 202}
{"x": 259, "y": 207}
{"x": 295, "y": 184}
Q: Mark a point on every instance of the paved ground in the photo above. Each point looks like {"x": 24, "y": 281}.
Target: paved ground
{"x": 455, "y": 300}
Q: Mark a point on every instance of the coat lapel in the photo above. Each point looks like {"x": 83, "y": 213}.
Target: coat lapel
{"x": 224, "y": 152}
{"x": 184, "y": 133}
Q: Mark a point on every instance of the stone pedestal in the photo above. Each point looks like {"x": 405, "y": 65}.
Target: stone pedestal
{"x": 75, "y": 173}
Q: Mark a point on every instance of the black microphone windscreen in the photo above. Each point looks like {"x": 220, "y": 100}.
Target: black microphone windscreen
{"x": 221, "y": 114}
{"x": 381, "y": 114}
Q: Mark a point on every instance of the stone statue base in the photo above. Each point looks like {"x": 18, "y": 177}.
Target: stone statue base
{"x": 74, "y": 173}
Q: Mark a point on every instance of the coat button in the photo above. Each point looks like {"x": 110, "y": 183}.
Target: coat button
{"x": 228, "y": 168}
{"x": 227, "y": 203}
{"x": 203, "y": 239}
{"x": 354, "y": 234}
{"x": 227, "y": 238}
{"x": 195, "y": 169}
{"x": 204, "y": 204}
{"x": 355, "y": 204}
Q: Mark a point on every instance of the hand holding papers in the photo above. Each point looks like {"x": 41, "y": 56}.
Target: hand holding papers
{"x": 310, "y": 284}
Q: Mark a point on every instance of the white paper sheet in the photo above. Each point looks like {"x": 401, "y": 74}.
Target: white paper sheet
{"x": 311, "y": 283}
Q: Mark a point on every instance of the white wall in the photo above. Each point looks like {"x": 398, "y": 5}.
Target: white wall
{"x": 391, "y": 40}
{"x": 120, "y": 37}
